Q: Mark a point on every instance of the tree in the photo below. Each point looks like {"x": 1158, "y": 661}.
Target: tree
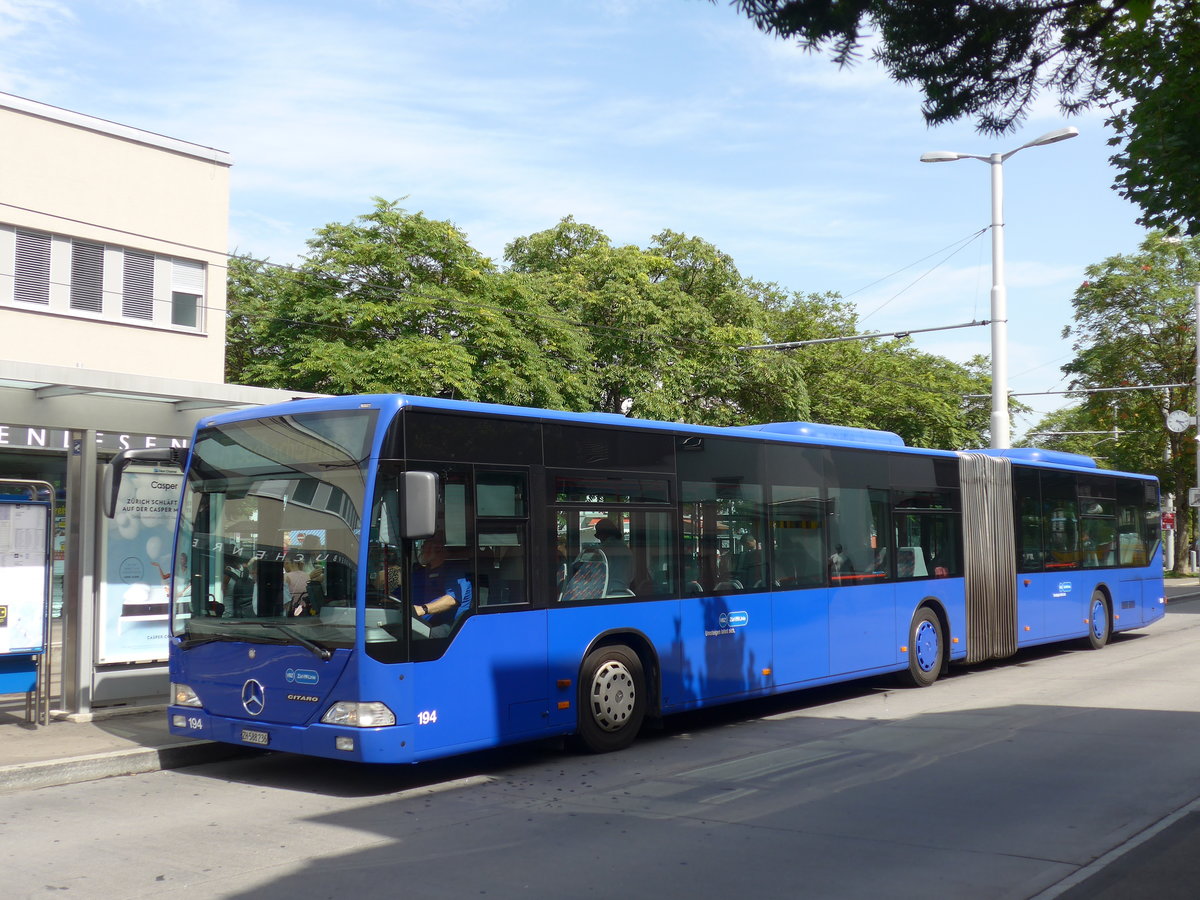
{"x": 1134, "y": 324}
{"x": 989, "y": 59}
{"x": 663, "y": 324}
{"x": 395, "y": 301}
{"x": 1151, "y": 70}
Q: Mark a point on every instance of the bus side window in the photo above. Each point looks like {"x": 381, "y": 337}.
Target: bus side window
{"x": 501, "y": 511}
{"x": 858, "y": 535}
{"x": 1060, "y": 522}
{"x": 501, "y": 564}
{"x": 443, "y": 564}
{"x": 1131, "y": 541}
{"x": 797, "y": 536}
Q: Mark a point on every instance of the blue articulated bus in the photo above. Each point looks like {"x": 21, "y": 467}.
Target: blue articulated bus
{"x": 395, "y": 579}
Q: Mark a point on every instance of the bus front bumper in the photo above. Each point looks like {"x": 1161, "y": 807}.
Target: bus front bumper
{"x": 390, "y": 744}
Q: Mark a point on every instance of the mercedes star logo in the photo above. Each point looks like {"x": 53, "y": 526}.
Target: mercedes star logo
{"x": 254, "y": 697}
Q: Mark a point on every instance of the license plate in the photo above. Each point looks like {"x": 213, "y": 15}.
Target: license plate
{"x": 255, "y": 737}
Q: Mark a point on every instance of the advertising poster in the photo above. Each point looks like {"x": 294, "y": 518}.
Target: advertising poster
{"x": 132, "y": 623}
{"x": 23, "y": 577}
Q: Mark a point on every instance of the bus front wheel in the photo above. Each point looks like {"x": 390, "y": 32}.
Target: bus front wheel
{"x": 926, "y": 648}
{"x": 612, "y": 699}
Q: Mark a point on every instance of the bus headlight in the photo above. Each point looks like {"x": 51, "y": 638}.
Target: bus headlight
{"x": 359, "y": 715}
{"x": 182, "y": 695}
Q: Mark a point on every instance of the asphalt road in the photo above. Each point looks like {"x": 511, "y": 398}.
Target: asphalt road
{"x": 1063, "y": 772}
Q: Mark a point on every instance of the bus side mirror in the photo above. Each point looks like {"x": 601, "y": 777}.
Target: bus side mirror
{"x": 420, "y": 504}
{"x": 111, "y": 479}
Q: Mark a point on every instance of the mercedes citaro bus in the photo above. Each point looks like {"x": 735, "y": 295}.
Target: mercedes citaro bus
{"x": 394, "y": 579}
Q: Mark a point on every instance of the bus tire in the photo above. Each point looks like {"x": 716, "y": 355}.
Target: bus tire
{"x": 1099, "y": 621}
{"x": 612, "y": 699}
{"x": 926, "y": 648}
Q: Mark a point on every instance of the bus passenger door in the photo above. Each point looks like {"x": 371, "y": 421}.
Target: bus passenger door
{"x": 800, "y": 598}
{"x": 863, "y": 631}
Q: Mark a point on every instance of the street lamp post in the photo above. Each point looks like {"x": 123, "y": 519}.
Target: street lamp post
{"x": 1001, "y": 428}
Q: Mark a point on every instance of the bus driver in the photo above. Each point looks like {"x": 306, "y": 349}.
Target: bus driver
{"x": 447, "y": 585}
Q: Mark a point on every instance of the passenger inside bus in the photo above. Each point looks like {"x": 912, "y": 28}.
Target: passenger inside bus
{"x": 748, "y": 569}
{"x": 238, "y": 584}
{"x": 295, "y": 577}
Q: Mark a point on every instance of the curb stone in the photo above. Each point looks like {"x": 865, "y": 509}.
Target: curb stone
{"x": 136, "y": 761}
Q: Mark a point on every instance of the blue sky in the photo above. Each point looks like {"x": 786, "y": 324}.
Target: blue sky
{"x": 503, "y": 116}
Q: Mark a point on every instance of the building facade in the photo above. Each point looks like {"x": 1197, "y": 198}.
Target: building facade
{"x": 112, "y": 240}
{"x": 112, "y": 312}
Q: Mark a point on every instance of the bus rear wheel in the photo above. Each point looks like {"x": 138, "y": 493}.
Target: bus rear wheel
{"x": 926, "y": 648}
{"x": 1099, "y": 621}
{"x": 612, "y": 699}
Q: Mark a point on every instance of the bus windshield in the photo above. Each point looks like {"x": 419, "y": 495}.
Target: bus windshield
{"x": 270, "y": 525}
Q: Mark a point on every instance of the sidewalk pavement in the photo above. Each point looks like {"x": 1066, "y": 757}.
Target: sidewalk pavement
{"x": 100, "y": 745}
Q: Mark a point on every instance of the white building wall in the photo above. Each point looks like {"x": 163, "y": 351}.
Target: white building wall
{"x": 78, "y": 178}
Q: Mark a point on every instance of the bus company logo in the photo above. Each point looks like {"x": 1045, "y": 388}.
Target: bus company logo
{"x": 727, "y": 622}
{"x": 304, "y": 698}
{"x": 733, "y": 619}
{"x": 301, "y": 676}
{"x": 254, "y": 697}
{"x": 1064, "y": 586}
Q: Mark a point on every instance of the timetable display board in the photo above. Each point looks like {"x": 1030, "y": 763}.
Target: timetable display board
{"x": 24, "y": 570}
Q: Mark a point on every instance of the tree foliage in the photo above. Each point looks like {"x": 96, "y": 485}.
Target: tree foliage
{"x": 1134, "y": 325}
{"x": 396, "y": 301}
{"x": 990, "y": 59}
{"x": 1152, "y": 71}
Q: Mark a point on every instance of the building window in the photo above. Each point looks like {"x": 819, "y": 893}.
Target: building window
{"x": 69, "y": 276}
{"x": 184, "y": 308}
{"x": 137, "y": 297}
{"x": 87, "y": 276}
{"x": 187, "y": 287}
{"x": 32, "y": 268}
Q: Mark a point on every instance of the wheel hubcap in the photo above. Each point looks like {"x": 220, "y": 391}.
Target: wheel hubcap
{"x": 612, "y": 696}
{"x": 1099, "y": 619}
{"x": 926, "y": 645}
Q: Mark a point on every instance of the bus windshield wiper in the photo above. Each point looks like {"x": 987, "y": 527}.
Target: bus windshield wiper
{"x": 188, "y": 641}
{"x": 291, "y": 636}
{"x": 319, "y": 649}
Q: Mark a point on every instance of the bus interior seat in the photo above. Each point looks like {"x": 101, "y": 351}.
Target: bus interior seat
{"x": 589, "y": 577}
{"x": 910, "y": 563}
